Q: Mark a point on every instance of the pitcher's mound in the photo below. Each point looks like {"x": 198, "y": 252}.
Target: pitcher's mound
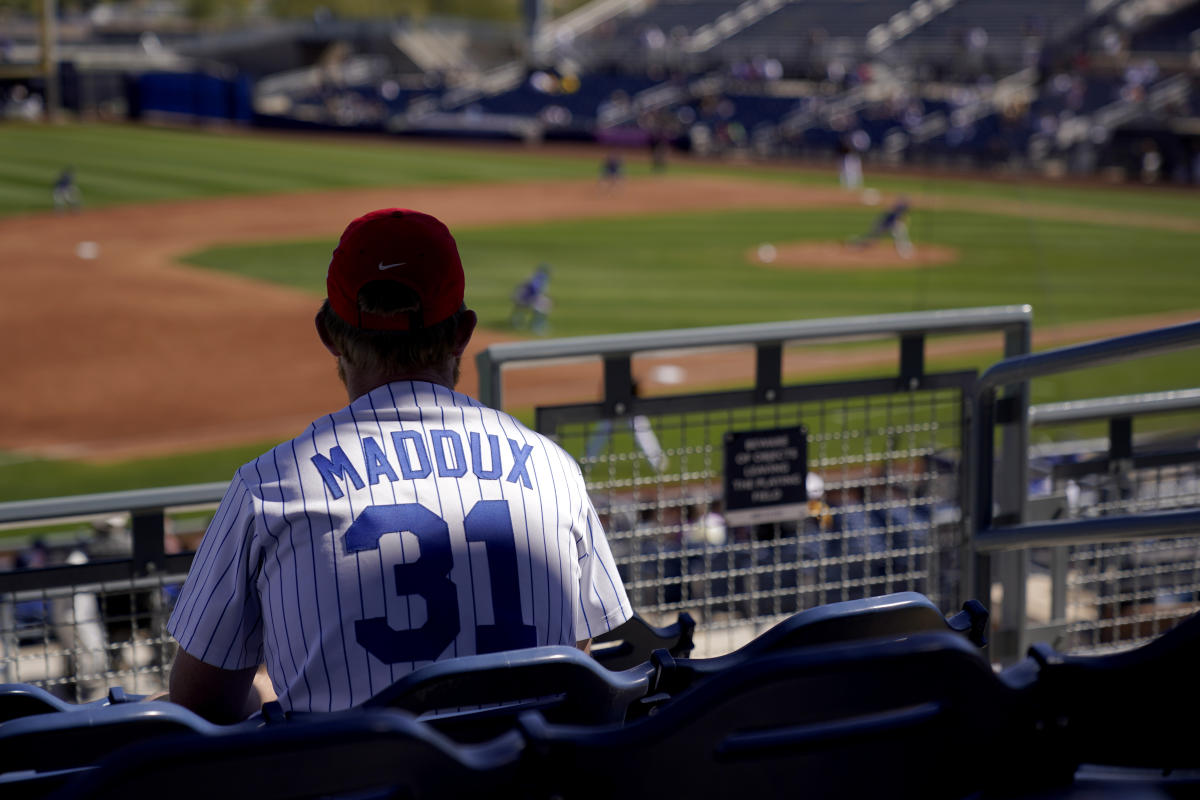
{"x": 836, "y": 255}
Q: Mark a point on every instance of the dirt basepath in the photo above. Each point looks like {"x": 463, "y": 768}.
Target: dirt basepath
{"x": 125, "y": 353}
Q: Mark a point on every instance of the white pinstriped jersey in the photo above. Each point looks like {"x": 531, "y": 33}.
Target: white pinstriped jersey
{"x": 413, "y": 525}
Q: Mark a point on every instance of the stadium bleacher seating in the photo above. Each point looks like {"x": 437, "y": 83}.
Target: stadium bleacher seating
{"x": 563, "y": 682}
{"x": 376, "y": 753}
{"x": 878, "y": 697}
{"x": 77, "y": 738}
{"x": 673, "y": 16}
{"x": 891, "y": 616}
{"x": 475, "y": 697}
{"x": 1006, "y": 25}
{"x": 582, "y": 102}
{"x": 919, "y": 716}
{"x": 631, "y": 643}
{"x": 1173, "y": 33}
{"x": 44, "y": 751}
{"x": 793, "y": 22}
{"x": 24, "y": 700}
{"x": 1125, "y": 708}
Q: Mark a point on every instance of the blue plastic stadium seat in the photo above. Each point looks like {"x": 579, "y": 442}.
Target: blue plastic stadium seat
{"x": 24, "y": 699}
{"x": 80, "y": 738}
{"x": 889, "y": 616}
{"x": 920, "y": 716}
{"x": 1134, "y": 708}
{"x": 473, "y": 698}
{"x": 376, "y": 753}
{"x": 631, "y": 643}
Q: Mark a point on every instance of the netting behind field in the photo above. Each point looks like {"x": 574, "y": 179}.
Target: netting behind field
{"x": 882, "y": 515}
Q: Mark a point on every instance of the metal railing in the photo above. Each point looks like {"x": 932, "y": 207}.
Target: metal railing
{"x": 1016, "y": 322}
{"x": 885, "y": 513}
{"x": 81, "y": 627}
{"x": 1128, "y": 564}
{"x": 888, "y": 518}
{"x": 911, "y": 496}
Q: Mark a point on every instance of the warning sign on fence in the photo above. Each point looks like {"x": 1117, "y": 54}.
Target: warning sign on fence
{"x": 765, "y": 474}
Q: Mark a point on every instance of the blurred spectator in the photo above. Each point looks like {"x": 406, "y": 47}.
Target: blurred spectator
{"x": 36, "y": 556}
{"x": 78, "y": 628}
{"x": 705, "y": 527}
{"x": 111, "y": 538}
{"x": 1152, "y": 161}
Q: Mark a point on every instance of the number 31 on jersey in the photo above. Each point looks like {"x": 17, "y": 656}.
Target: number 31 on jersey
{"x": 429, "y": 577}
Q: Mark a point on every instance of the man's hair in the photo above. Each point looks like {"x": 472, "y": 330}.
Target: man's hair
{"x": 391, "y": 351}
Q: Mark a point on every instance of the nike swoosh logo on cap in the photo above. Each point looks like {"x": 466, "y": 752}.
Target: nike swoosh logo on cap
{"x": 383, "y": 266}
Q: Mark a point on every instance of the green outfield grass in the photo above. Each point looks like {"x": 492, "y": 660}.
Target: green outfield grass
{"x": 136, "y": 164}
{"x": 22, "y": 478}
{"x": 668, "y": 271}
{"x": 1111, "y": 197}
{"x": 125, "y": 164}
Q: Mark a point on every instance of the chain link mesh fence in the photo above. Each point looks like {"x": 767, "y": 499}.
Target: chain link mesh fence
{"x": 78, "y": 640}
{"x": 882, "y": 514}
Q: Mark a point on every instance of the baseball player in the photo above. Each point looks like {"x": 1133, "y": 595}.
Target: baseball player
{"x": 850, "y": 149}
{"x": 612, "y": 169}
{"x": 531, "y": 305}
{"x": 65, "y": 192}
{"x": 413, "y": 525}
{"x": 890, "y": 223}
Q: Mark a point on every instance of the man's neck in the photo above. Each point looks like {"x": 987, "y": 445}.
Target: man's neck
{"x": 358, "y": 385}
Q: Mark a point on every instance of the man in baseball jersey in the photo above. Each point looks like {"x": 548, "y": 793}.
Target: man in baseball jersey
{"x": 413, "y": 525}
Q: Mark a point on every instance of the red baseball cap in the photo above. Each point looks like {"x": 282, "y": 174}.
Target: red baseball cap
{"x": 396, "y": 244}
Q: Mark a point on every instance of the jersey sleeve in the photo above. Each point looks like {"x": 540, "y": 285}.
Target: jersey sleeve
{"x": 218, "y": 618}
{"x": 603, "y": 603}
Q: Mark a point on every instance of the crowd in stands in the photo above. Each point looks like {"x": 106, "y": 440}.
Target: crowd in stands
{"x": 1043, "y": 88}
{"x": 1054, "y": 86}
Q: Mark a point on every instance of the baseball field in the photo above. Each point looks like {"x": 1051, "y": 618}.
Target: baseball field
{"x": 163, "y": 333}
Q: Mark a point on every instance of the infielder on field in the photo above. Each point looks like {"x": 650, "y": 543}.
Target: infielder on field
{"x": 413, "y": 525}
{"x": 65, "y": 192}
{"x": 531, "y": 304}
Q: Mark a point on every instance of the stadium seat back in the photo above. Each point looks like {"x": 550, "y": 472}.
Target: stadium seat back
{"x": 473, "y": 698}
{"x": 376, "y": 753}
{"x": 1126, "y": 708}
{"x": 25, "y": 699}
{"x": 631, "y": 643}
{"x": 79, "y": 738}
{"x": 887, "y": 616}
{"x": 923, "y": 715}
